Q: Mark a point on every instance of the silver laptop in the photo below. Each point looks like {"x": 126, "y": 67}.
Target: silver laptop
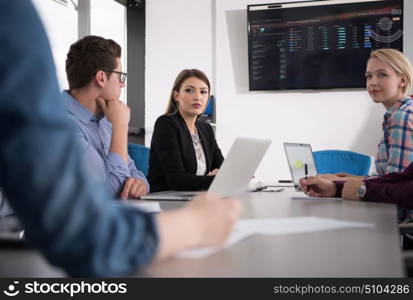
{"x": 234, "y": 175}
{"x": 300, "y": 161}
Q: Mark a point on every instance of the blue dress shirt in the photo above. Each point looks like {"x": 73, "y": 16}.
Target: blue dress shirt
{"x": 67, "y": 214}
{"x": 94, "y": 136}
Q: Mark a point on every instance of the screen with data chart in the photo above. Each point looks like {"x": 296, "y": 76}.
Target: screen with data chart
{"x": 319, "y": 44}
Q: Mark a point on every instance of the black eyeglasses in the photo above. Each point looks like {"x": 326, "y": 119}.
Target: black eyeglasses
{"x": 122, "y": 76}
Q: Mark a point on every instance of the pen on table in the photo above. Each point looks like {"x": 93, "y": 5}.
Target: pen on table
{"x": 285, "y": 181}
{"x": 306, "y": 171}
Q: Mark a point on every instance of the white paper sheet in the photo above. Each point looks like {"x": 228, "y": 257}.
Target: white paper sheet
{"x": 301, "y": 195}
{"x": 248, "y": 227}
{"x": 147, "y": 206}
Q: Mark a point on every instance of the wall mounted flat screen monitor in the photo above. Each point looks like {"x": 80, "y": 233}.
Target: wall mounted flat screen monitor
{"x": 319, "y": 44}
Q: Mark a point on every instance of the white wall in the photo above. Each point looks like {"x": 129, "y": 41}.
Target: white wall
{"x": 178, "y": 36}
{"x": 61, "y": 27}
{"x": 338, "y": 119}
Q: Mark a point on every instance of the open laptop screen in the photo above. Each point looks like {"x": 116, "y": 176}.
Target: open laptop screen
{"x": 297, "y": 156}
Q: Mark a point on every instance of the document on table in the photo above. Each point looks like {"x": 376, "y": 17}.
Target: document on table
{"x": 147, "y": 206}
{"x": 301, "y": 195}
{"x": 248, "y": 227}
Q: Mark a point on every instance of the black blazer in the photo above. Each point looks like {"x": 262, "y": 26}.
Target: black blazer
{"x": 172, "y": 162}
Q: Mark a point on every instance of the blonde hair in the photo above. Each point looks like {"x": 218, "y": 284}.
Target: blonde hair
{"x": 184, "y": 75}
{"x": 400, "y": 64}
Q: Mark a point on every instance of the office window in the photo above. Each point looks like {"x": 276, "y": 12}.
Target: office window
{"x": 60, "y": 21}
{"x": 108, "y": 19}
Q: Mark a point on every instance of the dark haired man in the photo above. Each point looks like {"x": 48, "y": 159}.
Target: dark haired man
{"x": 95, "y": 77}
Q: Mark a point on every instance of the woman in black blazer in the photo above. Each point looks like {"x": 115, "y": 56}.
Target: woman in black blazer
{"x": 184, "y": 153}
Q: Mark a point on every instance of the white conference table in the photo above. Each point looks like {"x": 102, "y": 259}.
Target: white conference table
{"x": 355, "y": 252}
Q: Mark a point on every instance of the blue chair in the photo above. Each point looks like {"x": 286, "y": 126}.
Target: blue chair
{"x": 140, "y": 155}
{"x": 336, "y": 161}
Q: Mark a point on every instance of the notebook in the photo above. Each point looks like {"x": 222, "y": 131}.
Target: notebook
{"x": 234, "y": 175}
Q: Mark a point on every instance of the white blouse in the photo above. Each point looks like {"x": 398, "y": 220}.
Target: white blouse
{"x": 200, "y": 155}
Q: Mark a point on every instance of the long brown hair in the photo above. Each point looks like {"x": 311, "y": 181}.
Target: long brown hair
{"x": 184, "y": 75}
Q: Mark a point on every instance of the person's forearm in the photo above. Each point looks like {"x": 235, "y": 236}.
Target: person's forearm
{"x": 397, "y": 193}
{"x": 395, "y": 177}
{"x": 177, "y": 230}
{"x": 119, "y": 141}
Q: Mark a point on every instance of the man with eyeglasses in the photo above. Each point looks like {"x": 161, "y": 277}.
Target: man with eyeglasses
{"x": 95, "y": 77}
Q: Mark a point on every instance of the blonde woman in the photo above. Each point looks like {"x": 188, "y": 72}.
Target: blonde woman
{"x": 389, "y": 76}
{"x": 389, "y": 81}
